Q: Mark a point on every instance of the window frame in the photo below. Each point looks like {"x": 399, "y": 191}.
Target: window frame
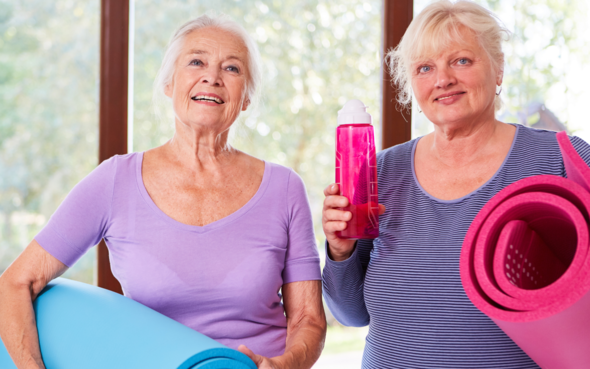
{"x": 112, "y": 137}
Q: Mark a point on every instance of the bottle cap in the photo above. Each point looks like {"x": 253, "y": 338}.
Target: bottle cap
{"x": 354, "y": 112}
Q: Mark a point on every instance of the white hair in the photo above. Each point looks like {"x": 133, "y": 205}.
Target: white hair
{"x": 223, "y": 22}
{"x": 435, "y": 28}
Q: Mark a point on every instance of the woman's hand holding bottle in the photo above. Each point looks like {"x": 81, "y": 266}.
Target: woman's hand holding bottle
{"x": 334, "y": 220}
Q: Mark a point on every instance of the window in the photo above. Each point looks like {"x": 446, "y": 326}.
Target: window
{"x": 48, "y": 115}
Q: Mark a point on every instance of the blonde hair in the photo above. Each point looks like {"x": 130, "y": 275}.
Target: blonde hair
{"x": 437, "y": 27}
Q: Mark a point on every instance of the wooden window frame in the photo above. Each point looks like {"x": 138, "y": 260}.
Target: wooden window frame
{"x": 396, "y": 126}
{"x": 114, "y": 66}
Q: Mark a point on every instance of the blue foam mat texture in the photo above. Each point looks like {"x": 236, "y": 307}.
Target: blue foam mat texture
{"x": 83, "y": 326}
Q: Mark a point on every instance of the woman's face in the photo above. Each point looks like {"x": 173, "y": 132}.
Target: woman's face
{"x": 208, "y": 88}
{"x": 457, "y": 87}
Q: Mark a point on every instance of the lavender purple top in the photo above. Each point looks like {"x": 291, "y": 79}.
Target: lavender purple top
{"x": 221, "y": 279}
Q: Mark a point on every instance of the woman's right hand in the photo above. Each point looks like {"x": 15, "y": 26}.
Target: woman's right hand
{"x": 334, "y": 220}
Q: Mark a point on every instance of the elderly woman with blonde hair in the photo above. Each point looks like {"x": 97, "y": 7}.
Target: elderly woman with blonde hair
{"x": 197, "y": 230}
{"x": 406, "y": 284}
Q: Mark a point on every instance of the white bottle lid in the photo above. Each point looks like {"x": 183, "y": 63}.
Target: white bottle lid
{"x": 354, "y": 112}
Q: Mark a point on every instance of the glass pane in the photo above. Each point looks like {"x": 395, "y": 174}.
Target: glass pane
{"x": 316, "y": 56}
{"x": 545, "y": 78}
{"x": 48, "y": 115}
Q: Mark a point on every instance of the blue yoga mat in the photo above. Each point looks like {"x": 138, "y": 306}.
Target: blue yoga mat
{"x": 83, "y": 326}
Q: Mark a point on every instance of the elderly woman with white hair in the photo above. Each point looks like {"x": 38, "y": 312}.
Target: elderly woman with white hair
{"x": 406, "y": 284}
{"x": 197, "y": 230}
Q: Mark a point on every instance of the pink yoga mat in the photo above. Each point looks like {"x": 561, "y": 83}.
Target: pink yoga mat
{"x": 525, "y": 263}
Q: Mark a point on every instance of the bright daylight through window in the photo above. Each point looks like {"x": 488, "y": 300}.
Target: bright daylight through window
{"x": 49, "y": 56}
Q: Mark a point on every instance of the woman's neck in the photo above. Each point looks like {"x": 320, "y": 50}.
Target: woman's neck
{"x": 460, "y": 145}
{"x": 200, "y": 148}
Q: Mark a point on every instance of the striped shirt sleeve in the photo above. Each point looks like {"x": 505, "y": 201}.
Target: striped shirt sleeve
{"x": 343, "y": 283}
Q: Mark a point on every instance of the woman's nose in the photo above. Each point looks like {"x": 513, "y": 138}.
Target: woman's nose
{"x": 212, "y": 77}
{"x": 445, "y": 78}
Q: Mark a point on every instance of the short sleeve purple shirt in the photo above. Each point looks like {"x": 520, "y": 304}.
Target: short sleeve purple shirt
{"x": 221, "y": 279}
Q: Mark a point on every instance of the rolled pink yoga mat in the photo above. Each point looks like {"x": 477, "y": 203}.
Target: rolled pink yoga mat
{"x": 525, "y": 263}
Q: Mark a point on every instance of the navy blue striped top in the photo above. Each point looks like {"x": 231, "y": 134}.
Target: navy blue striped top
{"x": 405, "y": 284}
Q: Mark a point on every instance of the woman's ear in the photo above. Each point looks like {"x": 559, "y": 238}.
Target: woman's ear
{"x": 499, "y": 77}
{"x": 245, "y": 104}
{"x": 168, "y": 89}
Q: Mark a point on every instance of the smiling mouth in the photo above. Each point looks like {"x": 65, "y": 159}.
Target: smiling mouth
{"x": 446, "y": 97}
{"x": 207, "y": 98}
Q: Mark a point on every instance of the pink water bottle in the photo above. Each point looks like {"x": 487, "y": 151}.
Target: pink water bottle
{"x": 356, "y": 170}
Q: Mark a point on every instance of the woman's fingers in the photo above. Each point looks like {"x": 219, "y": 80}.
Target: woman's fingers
{"x": 335, "y": 215}
{"x": 331, "y": 190}
{"x": 257, "y": 359}
{"x": 332, "y": 227}
{"x": 334, "y": 219}
{"x": 333, "y": 198}
{"x": 261, "y": 362}
{"x": 335, "y": 201}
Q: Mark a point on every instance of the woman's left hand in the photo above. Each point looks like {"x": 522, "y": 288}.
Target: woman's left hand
{"x": 306, "y": 328}
{"x": 261, "y": 362}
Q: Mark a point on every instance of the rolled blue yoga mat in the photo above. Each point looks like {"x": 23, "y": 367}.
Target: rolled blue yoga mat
{"x": 83, "y": 326}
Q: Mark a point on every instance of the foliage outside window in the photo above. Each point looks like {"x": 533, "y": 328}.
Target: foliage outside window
{"x": 48, "y": 115}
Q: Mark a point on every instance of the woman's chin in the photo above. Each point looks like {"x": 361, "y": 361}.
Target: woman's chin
{"x": 447, "y": 118}
{"x": 459, "y": 116}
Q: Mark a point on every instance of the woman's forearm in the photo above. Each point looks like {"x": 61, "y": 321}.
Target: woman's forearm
{"x": 19, "y": 286}
{"x": 304, "y": 343}
{"x": 343, "y": 290}
{"x": 17, "y": 325}
{"x": 306, "y": 325}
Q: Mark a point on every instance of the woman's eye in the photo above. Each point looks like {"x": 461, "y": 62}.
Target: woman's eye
{"x": 463, "y": 61}
{"x": 196, "y": 62}
{"x": 232, "y": 68}
{"x": 424, "y": 69}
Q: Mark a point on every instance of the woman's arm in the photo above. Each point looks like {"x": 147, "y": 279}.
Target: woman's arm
{"x": 306, "y": 328}
{"x": 306, "y": 323}
{"x": 19, "y": 286}
{"x": 346, "y": 263}
{"x": 343, "y": 284}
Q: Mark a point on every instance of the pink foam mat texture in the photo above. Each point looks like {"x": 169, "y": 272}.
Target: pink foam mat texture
{"x": 525, "y": 263}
